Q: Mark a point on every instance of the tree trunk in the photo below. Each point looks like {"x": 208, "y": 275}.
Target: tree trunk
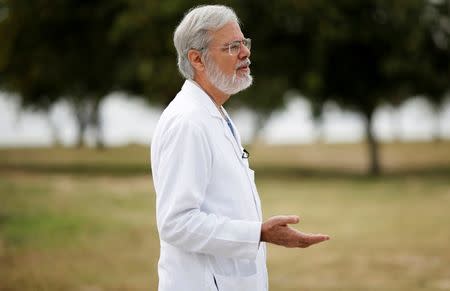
{"x": 82, "y": 125}
{"x": 396, "y": 124}
{"x": 319, "y": 125}
{"x": 374, "y": 163}
{"x": 437, "y": 123}
{"x": 87, "y": 113}
{"x": 260, "y": 123}
{"x": 82, "y": 118}
{"x": 53, "y": 130}
{"x": 96, "y": 122}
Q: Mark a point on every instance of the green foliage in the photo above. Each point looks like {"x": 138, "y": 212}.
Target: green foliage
{"x": 433, "y": 59}
{"x": 357, "y": 53}
{"x": 319, "y": 47}
{"x": 58, "y": 49}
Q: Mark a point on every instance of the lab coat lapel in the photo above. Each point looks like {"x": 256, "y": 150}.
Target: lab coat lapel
{"x": 234, "y": 142}
{"x": 204, "y": 100}
{"x": 250, "y": 173}
{"x": 236, "y": 132}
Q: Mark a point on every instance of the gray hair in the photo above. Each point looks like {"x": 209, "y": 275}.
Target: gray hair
{"x": 194, "y": 32}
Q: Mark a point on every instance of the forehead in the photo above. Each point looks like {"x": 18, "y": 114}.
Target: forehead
{"x": 230, "y": 32}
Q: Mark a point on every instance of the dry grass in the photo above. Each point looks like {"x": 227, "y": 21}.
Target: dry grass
{"x": 386, "y": 235}
{"x": 77, "y": 233}
{"x": 353, "y": 158}
{"x": 96, "y": 230}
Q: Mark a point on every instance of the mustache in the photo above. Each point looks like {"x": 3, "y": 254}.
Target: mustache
{"x": 244, "y": 63}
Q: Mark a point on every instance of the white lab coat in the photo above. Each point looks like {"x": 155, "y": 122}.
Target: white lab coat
{"x": 207, "y": 207}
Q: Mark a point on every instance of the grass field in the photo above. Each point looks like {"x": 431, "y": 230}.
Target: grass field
{"x": 85, "y": 220}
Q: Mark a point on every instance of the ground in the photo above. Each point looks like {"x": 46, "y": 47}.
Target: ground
{"x": 85, "y": 220}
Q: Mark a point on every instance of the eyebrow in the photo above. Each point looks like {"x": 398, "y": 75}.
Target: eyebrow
{"x": 235, "y": 41}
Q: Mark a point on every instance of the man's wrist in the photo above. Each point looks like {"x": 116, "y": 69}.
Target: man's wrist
{"x": 262, "y": 237}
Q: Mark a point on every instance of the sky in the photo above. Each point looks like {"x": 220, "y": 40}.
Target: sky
{"x": 133, "y": 121}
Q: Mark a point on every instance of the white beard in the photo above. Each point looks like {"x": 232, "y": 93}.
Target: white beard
{"x": 228, "y": 85}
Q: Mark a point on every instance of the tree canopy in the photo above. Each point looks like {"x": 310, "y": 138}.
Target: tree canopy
{"x": 359, "y": 54}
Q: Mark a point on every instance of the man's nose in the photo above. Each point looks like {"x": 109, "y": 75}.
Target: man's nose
{"x": 244, "y": 52}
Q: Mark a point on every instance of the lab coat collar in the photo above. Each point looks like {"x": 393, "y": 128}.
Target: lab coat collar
{"x": 200, "y": 96}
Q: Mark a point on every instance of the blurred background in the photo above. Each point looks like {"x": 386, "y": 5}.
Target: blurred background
{"x": 347, "y": 125}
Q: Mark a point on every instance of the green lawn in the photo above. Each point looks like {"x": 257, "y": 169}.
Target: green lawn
{"x": 85, "y": 220}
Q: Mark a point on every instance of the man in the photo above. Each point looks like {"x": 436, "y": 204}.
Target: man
{"x": 208, "y": 209}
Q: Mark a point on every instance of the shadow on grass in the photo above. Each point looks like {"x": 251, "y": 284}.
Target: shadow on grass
{"x": 280, "y": 172}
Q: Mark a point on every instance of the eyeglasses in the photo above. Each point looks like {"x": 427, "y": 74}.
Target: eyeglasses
{"x": 234, "y": 47}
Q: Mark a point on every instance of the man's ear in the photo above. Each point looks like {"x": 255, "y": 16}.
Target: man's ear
{"x": 195, "y": 58}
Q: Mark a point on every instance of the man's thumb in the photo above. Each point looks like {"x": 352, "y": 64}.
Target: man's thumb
{"x": 287, "y": 219}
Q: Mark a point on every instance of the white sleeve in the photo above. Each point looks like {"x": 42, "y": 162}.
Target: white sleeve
{"x": 181, "y": 177}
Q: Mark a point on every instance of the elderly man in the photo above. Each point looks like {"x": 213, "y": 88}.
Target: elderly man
{"x": 208, "y": 209}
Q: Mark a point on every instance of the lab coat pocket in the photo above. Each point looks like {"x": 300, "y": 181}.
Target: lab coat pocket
{"x": 236, "y": 283}
{"x": 233, "y": 274}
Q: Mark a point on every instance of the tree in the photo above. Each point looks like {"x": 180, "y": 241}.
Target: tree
{"x": 359, "y": 54}
{"x": 61, "y": 49}
{"x": 433, "y": 62}
{"x": 280, "y": 50}
{"x": 144, "y": 32}
{"x": 366, "y": 51}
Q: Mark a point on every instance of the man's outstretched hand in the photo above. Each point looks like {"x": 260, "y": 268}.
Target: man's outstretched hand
{"x": 276, "y": 231}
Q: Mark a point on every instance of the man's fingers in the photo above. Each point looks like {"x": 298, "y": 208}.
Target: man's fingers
{"x": 319, "y": 238}
{"x": 276, "y": 230}
{"x": 314, "y": 238}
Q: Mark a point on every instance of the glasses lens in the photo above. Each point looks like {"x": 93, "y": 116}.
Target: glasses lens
{"x": 247, "y": 42}
{"x": 235, "y": 47}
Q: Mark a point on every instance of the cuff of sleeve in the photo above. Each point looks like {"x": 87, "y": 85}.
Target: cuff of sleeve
{"x": 255, "y": 232}
{"x": 246, "y": 241}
